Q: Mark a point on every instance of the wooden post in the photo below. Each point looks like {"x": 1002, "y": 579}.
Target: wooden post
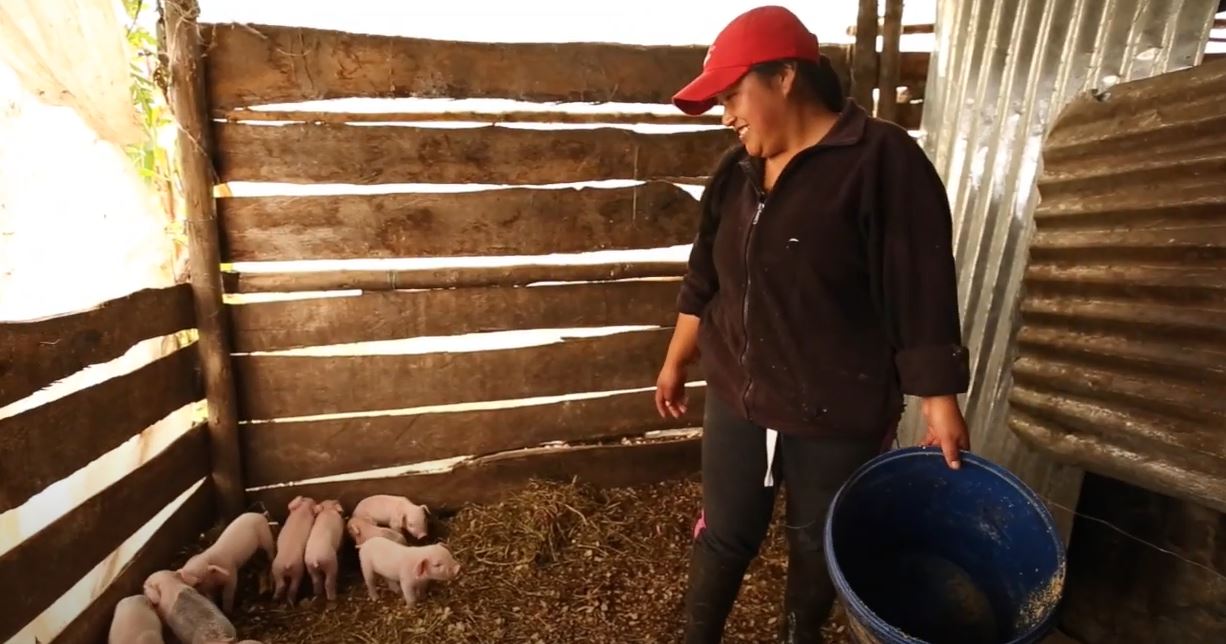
{"x": 189, "y": 104}
{"x": 887, "y": 84}
{"x": 864, "y": 56}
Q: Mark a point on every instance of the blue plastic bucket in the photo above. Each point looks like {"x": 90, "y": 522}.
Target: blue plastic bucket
{"x": 920, "y": 553}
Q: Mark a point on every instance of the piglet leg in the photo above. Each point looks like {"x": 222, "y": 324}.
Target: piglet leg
{"x": 317, "y": 581}
{"x": 227, "y": 593}
{"x": 330, "y": 580}
{"x": 294, "y": 582}
{"x": 279, "y": 587}
{"x": 410, "y": 588}
{"x": 368, "y": 575}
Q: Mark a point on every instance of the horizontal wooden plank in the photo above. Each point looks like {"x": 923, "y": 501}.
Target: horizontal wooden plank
{"x": 60, "y": 554}
{"x": 516, "y": 221}
{"x": 38, "y": 353}
{"x": 308, "y": 153}
{"x": 279, "y": 386}
{"x": 427, "y": 278}
{"x": 390, "y": 315}
{"x": 163, "y": 550}
{"x": 294, "y": 451}
{"x": 47, "y": 443}
{"x": 261, "y": 64}
{"x": 487, "y": 479}
{"x": 302, "y": 116}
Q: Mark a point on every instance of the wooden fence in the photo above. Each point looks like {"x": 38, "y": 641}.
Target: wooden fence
{"x": 49, "y": 442}
{"x": 249, "y": 65}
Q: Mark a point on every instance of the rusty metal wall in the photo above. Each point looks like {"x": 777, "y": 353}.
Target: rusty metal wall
{"x": 1122, "y": 350}
{"x": 1000, "y": 73}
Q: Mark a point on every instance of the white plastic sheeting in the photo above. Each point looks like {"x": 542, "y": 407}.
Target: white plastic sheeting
{"x": 78, "y": 226}
{"x": 43, "y": 41}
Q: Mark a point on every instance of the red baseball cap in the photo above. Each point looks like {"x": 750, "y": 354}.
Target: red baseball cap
{"x": 756, "y": 36}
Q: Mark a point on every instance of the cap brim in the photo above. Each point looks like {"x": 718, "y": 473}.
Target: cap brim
{"x": 699, "y": 95}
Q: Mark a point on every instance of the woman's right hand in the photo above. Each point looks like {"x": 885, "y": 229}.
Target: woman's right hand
{"x": 671, "y": 398}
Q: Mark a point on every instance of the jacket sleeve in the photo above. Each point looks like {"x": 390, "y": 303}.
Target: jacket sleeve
{"x": 701, "y": 281}
{"x": 917, "y": 284}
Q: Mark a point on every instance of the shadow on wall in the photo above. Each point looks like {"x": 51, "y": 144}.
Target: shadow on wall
{"x": 1118, "y": 586}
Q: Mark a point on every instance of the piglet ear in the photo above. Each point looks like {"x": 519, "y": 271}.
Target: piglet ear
{"x": 219, "y": 571}
{"x": 422, "y": 566}
{"x": 188, "y": 578}
{"x": 426, "y": 509}
{"x": 153, "y": 593}
{"x": 293, "y": 505}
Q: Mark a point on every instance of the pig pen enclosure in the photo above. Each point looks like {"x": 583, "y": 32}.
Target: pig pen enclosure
{"x": 563, "y": 493}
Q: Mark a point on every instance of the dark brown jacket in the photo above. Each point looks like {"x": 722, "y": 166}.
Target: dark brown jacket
{"x": 827, "y": 299}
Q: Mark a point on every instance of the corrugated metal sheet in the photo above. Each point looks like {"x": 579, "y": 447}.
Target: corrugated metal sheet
{"x": 1122, "y": 352}
{"x": 1000, "y": 73}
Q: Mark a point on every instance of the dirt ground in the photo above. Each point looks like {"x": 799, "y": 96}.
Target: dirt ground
{"x": 554, "y": 564}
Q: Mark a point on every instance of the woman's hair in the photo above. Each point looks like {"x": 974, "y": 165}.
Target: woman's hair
{"x": 817, "y": 81}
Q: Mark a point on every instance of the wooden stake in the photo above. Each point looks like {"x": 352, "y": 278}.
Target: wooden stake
{"x": 864, "y": 56}
{"x": 887, "y": 82}
{"x": 188, "y": 102}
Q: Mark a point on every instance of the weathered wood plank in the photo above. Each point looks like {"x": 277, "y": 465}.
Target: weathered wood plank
{"x": 516, "y": 221}
{"x": 485, "y": 480}
{"x": 181, "y": 46}
{"x": 262, "y": 64}
{"x": 161, "y": 551}
{"x": 303, "y": 116}
{"x": 864, "y": 55}
{"x": 47, "y": 443}
{"x": 309, "y": 153}
{"x": 38, "y": 353}
{"x": 390, "y": 315}
{"x": 279, "y": 386}
{"x": 294, "y": 451}
{"x": 428, "y": 278}
{"x": 890, "y": 61}
{"x": 62, "y": 553}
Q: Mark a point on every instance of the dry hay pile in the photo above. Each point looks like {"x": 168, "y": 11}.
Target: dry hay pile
{"x": 555, "y": 563}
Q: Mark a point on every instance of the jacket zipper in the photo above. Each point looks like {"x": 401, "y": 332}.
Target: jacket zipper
{"x": 762, "y": 201}
{"x": 745, "y": 303}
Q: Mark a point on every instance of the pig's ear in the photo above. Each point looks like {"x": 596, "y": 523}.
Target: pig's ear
{"x": 315, "y": 510}
{"x": 293, "y": 505}
{"x": 152, "y": 593}
{"x": 422, "y": 566}
{"x": 426, "y": 509}
{"x": 188, "y": 578}
{"x": 222, "y": 573}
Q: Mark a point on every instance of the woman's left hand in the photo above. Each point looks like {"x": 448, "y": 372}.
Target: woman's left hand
{"x": 946, "y": 428}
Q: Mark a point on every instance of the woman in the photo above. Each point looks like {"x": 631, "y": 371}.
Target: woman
{"x": 820, "y": 289}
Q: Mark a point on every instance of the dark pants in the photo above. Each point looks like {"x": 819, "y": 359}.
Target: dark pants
{"x": 737, "y": 509}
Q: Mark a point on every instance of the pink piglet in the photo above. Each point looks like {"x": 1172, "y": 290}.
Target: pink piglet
{"x": 289, "y": 567}
{"x": 321, "y": 547}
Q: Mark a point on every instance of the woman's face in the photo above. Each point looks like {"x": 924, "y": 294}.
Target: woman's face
{"x": 755, "y": 108}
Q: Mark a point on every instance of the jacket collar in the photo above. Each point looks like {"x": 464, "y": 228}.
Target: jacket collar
{"x": 848, "y": 130}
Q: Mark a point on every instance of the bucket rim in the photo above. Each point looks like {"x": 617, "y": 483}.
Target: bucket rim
{"x": 862, "y": 611}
